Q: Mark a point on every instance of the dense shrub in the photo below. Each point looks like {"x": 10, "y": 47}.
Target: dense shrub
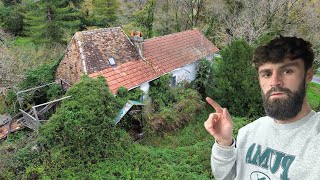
{"x": 83, "y": 124}
{"x": 123, "y": 95}
{"x": 201, "y": 81}
{"x": 171, "y": 107}
{"x": 161, "y": 163}
{"x": 161, "y": 92}
{"x": 40, "y": 75}
{"x": 233, "y": 81}
{"x": 16, "y": 154}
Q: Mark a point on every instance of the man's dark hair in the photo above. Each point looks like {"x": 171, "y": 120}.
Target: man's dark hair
{"x": 281, "y": 48}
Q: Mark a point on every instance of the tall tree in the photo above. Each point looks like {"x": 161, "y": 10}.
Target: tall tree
{"x": 11, "y": 18}
{"x": 145, "y": 17}
{"x": 51, "y": 21}
{"x": 105, "y": 12}
{"x": 193, "y": 10}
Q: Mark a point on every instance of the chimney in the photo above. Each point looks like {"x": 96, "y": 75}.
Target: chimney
{"x": 137, "y": 39}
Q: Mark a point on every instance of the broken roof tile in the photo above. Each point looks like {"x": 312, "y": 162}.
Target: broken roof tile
{"x": 101, "y": 44}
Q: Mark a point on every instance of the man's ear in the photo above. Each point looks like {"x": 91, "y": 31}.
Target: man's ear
{"x": 310, "y": 73}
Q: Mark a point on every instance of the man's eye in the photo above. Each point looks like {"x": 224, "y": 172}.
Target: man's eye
{"x": 287, "y": 71}
{"x": 266, "y": 75}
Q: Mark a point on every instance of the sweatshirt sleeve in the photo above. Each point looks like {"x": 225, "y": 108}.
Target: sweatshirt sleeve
{"x": 223, "y": 161}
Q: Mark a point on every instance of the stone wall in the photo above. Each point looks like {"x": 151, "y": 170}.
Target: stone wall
{"x": 70, "y": 68}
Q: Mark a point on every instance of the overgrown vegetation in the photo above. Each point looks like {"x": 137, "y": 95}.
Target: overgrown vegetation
{"x": 80, "y": 133}
{"x": 123, "y": 95}
{"x": 203, "y": 73}
{"x": 171, "y": 107}
{"x": 84, "y": 122}
{"x": 233, "y": 81}
{"x": 19, "y": 55}
{"x": 80, "y": 141}
{"x": 38, "y": 76}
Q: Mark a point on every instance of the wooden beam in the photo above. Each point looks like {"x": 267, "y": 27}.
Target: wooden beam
{"x": 35, "y": 113}
{"x": 43, "y": 104}
{"x": 35, "y": 88}
{"x": 30, "y": 121}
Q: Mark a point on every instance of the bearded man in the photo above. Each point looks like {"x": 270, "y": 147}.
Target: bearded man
{"x": 284, "y": 144}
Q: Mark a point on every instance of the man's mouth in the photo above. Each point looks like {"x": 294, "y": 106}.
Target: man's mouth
{"x": 278, "y": 94}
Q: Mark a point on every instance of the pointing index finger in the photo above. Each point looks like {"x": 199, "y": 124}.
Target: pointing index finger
{"x": 215, "y": 105}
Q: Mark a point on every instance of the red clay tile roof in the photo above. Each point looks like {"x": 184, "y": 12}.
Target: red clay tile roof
{"x": 99, "y": 45}
{"x": 128, "y": 75}
{"x": 177, "y": 50}
{"x": 161, "y": 55}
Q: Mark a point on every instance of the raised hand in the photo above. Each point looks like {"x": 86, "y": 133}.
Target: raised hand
{"x": 219, "y": 124}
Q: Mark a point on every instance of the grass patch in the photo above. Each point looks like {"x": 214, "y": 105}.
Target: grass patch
{"x": 2, "y": 105}
{"x": 23, "y": 41}
{"x": 313, "y": 95}
{"x": 189, "y": 135}
{"x": 142, "y": 162}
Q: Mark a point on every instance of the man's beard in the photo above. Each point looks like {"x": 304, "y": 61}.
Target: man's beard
{"x": 284, "y": 109}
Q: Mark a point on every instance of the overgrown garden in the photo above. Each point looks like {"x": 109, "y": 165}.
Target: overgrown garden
{"x": 80, "y": 140}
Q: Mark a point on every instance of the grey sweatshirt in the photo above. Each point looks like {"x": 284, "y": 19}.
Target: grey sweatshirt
{"x": 266, "y": 150}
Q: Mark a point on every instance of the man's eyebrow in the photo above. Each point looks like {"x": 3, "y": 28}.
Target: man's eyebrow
{"x": 290, "y": 64}
{"x": 266, "y": 70}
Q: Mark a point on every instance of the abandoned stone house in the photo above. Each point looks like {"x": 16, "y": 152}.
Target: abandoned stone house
{"x": 132, "y": 62}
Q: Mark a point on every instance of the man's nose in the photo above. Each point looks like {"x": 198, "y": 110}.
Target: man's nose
{"x": 276, "y": 80}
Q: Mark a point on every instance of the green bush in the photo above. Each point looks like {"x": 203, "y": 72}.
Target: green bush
{"x": 123, "y": 95}
{"x": 141, "y": 162}
{"x": 11, "y": 103}
{"x": 41, "y": 75}
{"x": 83, "y": 124}
{"x": 16, "y": 154}
{"x": 201, "y": 81}
{"x": 34, "y": 172}
{"x": 171, "y": 107}
{"x": 160, "y": 91}
{"x": 233, "y": 81}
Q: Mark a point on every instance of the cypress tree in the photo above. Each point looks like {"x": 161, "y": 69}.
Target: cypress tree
{"x": 145, "y": 17}
{"x": 105, "y": 12}
{"x": 11, "y": 18}
{"x": 50, "y": 21}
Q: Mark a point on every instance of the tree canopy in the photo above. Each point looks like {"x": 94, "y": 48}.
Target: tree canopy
{"x": 50, "y": 21}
